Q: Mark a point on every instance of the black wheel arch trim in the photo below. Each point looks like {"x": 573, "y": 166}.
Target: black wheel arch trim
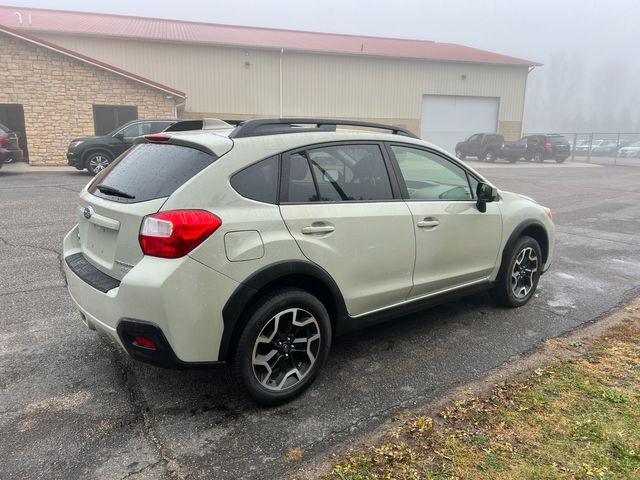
{"x": 268, "y": 275}
{"x": 513, "y": 238}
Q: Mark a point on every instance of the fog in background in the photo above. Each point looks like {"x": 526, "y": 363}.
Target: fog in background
{"x": 590, "y": 80}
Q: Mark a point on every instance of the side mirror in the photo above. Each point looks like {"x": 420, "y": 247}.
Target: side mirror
{"x": 119, "y": 136}
{"x": 485, "y": 193}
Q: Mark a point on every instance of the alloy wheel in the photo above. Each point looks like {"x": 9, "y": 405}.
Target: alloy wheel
{"x": 286, "y": 349}
{"x": 98, "y": 163}
{"x": 523, "y": 272}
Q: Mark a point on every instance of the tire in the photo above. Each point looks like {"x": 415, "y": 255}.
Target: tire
{"x": 538, "y": 158}
{"x": 460, "y": 155}
{"x": 269, "y": 328}
{"x": 489, "y": 156}
{"x": 519, "y": 280}
{"x": 97, "y": 161}
{"x": 560, "y": 160}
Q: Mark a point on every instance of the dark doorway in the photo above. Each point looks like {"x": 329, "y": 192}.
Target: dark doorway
{"x": 12, "y": 117}
{"x": 106, "y": 118}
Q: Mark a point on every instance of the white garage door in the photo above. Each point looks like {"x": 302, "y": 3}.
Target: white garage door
{"x": 447, "y": 120}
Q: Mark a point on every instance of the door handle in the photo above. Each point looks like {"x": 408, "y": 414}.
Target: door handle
{"x": 318, "y": 229}
{"x": 428, "y": 222}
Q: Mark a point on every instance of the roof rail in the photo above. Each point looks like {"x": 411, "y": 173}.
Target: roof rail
{"x": 275, "y": 126}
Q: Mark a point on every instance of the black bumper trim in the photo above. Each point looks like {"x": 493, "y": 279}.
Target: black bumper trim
{"x": 90, "y": 274}
{"x": 163, "y": 355}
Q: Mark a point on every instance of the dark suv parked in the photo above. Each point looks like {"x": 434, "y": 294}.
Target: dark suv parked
{"x": 489, "y": 147}
{"x": 96, "y": 153}
{"x": 10, "y": 151}
{"x": 547, "y": 147}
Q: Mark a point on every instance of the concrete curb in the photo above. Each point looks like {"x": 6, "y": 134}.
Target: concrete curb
{"x": 22, "y": 167}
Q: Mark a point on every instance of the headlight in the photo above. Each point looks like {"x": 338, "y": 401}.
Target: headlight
{"x": 75, "y": 144}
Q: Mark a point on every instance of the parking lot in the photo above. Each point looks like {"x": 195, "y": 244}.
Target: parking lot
{"x": 72, "y": 406}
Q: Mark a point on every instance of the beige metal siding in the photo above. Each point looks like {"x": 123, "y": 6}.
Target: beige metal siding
{"x": 239, "y": 82}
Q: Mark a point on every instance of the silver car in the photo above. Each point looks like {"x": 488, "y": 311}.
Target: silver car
{"x": 256, "y": 245}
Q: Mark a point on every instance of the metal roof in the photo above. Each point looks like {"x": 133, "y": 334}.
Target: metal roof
{"x": 107, "y": 25}
{"x": 92, "y": 61}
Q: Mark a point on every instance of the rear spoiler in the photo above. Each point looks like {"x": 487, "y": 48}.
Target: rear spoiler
{"x": 200, "y": 124}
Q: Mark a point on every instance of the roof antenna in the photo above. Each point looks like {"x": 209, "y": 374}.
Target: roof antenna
{"x": 19, "y": 15}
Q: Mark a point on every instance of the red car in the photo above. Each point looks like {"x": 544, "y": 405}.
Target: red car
{"x": 10, "y": 151}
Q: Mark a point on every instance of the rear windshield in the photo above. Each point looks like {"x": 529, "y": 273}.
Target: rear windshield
{"x": 557, "y": 139}
{"x": 149, "y": 171}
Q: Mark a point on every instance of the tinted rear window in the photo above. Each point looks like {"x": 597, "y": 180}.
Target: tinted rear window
{"x": 149, "y": 171}
{"x": 259, "y": 181}
{"x": 557, "y": 139}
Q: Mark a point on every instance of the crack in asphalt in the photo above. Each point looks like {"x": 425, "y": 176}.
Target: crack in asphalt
{"x": 29, "y": 290}
{"x": 582, "y": 235}
{"x": 146, "y": 467}
{"x": 141, "y": 408}
{"x": 43, "y": 249}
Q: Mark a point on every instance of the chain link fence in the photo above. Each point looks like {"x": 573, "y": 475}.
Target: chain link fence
{"x": 603, "y": 148}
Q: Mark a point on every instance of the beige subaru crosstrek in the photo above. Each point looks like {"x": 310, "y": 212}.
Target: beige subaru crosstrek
{"x": 256, "y": 245}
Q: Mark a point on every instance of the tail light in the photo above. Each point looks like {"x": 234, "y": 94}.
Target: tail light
{"x": 3, "y": 139}
{"x": 175, "y": 233}
{"x": 549, "y": 147}
{"x": 158, "y": 137}
{"x": 144, "y": 342}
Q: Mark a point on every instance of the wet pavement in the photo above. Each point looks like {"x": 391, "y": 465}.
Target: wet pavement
{"x": 72, "y": 406}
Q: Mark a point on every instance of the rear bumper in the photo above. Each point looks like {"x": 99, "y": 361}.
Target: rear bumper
{"x": 13, "y": 155}
{"x": 181, "y": 300}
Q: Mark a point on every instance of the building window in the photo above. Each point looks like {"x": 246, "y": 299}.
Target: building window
{"x": 106, "y": 118}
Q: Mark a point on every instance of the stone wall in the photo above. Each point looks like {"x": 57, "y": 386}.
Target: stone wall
{"x": 58, "y": 93}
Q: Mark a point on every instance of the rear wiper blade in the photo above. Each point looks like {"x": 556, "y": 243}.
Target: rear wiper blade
{"x": 107, "y": 190}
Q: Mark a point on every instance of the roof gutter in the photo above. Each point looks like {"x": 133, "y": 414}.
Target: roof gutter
{"x": 90, "y": 61}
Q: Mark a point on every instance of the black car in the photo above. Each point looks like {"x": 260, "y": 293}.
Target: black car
{"x": 10, "y": 151}
{"x": 96, "y": 153}
{"x": 489, "y": 147}
{"x": 547, "y": 147}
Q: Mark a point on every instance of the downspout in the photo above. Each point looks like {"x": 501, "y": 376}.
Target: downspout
{"x": 176, "y": 106}
{"x": 280, "y": 83}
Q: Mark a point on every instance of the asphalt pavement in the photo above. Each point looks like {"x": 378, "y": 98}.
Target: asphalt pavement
{"x": 73, "y": 407}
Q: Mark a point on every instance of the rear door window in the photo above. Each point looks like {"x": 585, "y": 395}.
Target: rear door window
{"x": 342, "y": 173}
{"x": 136, "y": 130}
{"x": 149, "y": 171}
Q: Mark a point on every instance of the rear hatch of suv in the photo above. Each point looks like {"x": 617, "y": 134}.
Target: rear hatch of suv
{"x": 137, "y": 184}
{"x": 559, "y": 145}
